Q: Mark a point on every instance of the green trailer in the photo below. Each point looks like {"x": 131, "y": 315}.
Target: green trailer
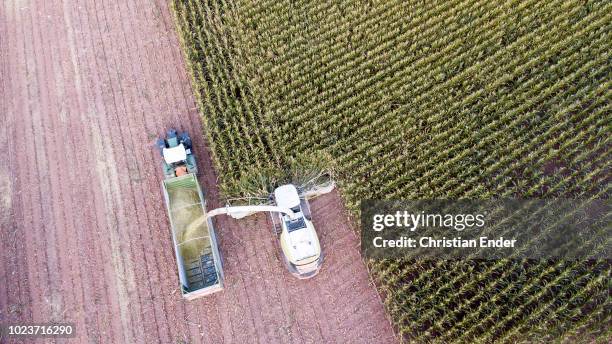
{"x": 195, "y": 244}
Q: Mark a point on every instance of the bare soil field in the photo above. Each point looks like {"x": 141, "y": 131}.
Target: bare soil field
{"x": 86, "y": 87}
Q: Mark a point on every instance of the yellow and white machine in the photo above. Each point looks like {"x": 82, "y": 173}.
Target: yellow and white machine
{"x": 291, "y": 220}
{"x": 298, "y": 238}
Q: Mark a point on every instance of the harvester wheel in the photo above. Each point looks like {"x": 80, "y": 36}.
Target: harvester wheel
{"x": 277, "y": 228}
{"x": 306, "y": 209}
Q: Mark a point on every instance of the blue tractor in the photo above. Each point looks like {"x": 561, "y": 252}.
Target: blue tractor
{"x": 175, "y": 150}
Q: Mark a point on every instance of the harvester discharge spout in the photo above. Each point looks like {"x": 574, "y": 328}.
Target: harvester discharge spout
{"x": 239, "y": 212}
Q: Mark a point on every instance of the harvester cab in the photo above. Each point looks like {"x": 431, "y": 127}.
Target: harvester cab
{"x": 178, "y": 159}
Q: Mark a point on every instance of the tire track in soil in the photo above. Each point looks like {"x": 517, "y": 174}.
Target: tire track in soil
{"x": 350, "y": 278}
{"x": 241, "y": 315}
{"x": 101, "y": 302}
{"x": 336, "y": 236}
{"x": 115, "y": 268}
{"x": 256, "y": 288}
{"x": 249, "y": 323}
{"x": 65, "y": 101}
{"x": 49, "y": 194}
{"x": 156, "y": 167}
{"x": 61, "y": 167}
{"x": 130, "y": 174}
{"x": 6, "y": 201}
{"x": 169, "y": 256}
{"x": 109, "y": 163}
{"x": 18, "y": 302}
{"x": 141, "y": 202}
{"x": 34, "y": 186}
{"x": 268, "y": 298}
{"x": 100, "y": 81}
{"x": 289, "y": 329}
{"x": 143, "y": 207}
{"x": 197, "y": 328}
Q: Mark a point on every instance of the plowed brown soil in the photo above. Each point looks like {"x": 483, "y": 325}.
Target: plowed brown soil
{"x": 85, "y": 88}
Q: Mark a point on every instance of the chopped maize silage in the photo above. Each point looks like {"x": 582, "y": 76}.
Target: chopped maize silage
{"x": 189, "y": 222}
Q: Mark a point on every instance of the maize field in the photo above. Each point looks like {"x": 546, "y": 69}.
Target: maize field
{"x": 424, "y": 99}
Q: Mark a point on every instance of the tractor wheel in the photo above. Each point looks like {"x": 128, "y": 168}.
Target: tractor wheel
{"x": 186, "y": 140}
{"x": 161, "y": 144}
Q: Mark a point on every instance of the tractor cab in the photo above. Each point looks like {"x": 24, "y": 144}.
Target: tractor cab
{"x": 298, "y": 238}
{"x": 176, "y": 151}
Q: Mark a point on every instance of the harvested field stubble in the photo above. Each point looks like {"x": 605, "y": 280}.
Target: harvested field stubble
{"x": 435, "y": 99}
